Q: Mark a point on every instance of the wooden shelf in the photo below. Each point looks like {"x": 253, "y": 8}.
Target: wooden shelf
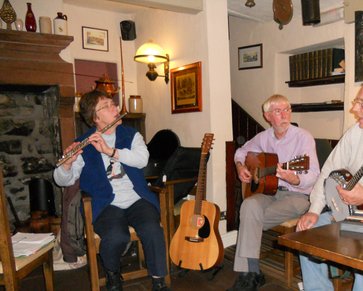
{"x": 315, "y": 82}
{"x": 313, "y": 107}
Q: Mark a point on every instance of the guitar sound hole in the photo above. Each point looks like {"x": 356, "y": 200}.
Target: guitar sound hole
{"x": 204, "y": 232}
{"x": 254, "y": 186}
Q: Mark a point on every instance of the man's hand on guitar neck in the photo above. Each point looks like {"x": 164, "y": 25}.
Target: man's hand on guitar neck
{"x": 287, "y": 175}
{"x": 243, "y": 173}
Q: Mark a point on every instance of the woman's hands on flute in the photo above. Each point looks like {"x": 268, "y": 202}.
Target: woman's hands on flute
{"x": 68, "y": 163}
{"x": 99, "y": 143}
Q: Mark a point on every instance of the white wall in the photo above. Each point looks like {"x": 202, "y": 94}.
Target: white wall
{"x": 258, "y": 84}
{"x": 188, "y": 39}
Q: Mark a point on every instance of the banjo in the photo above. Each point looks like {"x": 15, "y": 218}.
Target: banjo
{"x": 340, "y": 210}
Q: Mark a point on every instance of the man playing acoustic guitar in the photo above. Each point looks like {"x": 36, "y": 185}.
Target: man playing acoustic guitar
{"x": 347, "y": 155}
{"x": 260, "y": 211}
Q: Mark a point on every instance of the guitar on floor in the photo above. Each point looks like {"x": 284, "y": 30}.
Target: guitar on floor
{"x": 339, "y": 209}
{"x": 197, "y": 245}
{"x": 262, "y": 167}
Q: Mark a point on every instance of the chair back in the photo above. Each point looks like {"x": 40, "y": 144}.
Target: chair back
{"x": 183, "y": 164}
{"x": 161, "y": 147}
{"x": 8, "y": 276}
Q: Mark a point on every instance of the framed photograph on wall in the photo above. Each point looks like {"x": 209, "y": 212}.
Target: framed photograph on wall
{"x": 186, "y": 88}
{"x": 94, "y": 39}
{"x": 250, "y": 57}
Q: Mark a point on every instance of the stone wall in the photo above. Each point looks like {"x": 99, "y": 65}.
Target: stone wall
{"x": 29, "y": 142}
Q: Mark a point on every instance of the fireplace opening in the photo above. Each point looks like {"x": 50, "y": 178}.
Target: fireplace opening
{"x": 30, "y": 142}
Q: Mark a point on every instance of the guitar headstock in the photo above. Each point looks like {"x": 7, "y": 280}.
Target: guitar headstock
{"x": 207, "y": 142}
{"x": 299, "y": 164}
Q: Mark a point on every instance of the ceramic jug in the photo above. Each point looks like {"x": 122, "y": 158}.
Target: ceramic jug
{"x": 60, "y": 24}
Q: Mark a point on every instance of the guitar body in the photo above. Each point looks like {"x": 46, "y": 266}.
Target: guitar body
{"x": 262, "y": 167}
{"x": 339, "y": 209}
{"x": 197, "y": 245}
{"x": 256, "y": 162}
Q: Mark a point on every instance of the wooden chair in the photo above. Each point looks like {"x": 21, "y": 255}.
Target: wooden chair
{"x": 93, "y": 242}
{"x": 167, "y": 191}
{"x": 284, "y": 228}
{"x": 13, "y": 270}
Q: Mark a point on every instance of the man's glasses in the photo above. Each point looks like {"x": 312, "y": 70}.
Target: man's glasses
{"x": 279, "y": 111}
{"x": 358, "y": 101}
{"x": 107, "y": 106}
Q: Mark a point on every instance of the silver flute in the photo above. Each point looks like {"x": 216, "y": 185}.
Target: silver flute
{"x": 86, "y": 142}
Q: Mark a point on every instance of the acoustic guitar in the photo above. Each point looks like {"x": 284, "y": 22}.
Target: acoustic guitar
{"x": 263, "y": 166}
{"x": 197, "y": 245}
{"x": 339, "y": 209}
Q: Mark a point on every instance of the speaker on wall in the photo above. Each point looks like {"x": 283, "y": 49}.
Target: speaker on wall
{"x": 310, "y": 10}
{"x": 128, "y": 31}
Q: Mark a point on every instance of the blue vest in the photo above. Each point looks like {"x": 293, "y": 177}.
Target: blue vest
{"x": 93, "y": 179}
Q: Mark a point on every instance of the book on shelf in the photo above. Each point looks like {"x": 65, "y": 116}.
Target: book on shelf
{"x": 316, "y": 64}
{"x": 26, "y": 244}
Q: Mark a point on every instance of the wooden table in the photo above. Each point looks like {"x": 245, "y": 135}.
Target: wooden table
{"x": 329, "y": 243}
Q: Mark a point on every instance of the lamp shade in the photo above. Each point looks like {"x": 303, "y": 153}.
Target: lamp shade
{"x": 150, "y": 52}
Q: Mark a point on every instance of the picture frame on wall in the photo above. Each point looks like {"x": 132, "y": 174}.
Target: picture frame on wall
{"x": 94, "y": 39}
{"x": 250, "y": 57}
{"x": 186, "y": 88}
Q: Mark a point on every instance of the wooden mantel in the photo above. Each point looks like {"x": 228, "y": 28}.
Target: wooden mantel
{"x": 32, "y": 59}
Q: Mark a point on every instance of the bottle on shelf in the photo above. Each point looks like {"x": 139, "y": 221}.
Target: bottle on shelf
{"x": 30, "y": 22}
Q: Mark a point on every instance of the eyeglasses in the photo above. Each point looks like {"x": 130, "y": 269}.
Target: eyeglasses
{"x": 358, "y": 101}
{"x": 279, "y": 111}
{"x": 107, "y": 106}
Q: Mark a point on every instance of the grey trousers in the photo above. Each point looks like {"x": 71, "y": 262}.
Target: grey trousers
{"x": 262, "y": 212}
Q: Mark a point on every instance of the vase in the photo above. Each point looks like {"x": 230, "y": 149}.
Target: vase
{"x": 8, "y": 14}
{"x": 135, "y": 104}
{"x": 30, "y": 22}
{"x": 19, "y": 24}
{"x": 45, "y": 24}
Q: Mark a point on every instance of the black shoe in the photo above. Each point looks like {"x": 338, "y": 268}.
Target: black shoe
{"x": 248, "y": 282}
{"x": 159, "y": 284}
{"x": 113, "y": 281}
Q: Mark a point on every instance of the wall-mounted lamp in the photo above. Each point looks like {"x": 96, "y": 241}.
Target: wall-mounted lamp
{"x": 150, "y": 53}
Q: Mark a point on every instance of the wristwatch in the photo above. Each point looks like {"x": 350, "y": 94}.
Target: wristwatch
{"x": 283, "y": 11}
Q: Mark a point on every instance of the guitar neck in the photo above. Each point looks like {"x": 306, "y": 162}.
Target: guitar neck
{"x": 271, "y": 170}
{"x": 354, "y": 180}
{"x": 201, "y": 185}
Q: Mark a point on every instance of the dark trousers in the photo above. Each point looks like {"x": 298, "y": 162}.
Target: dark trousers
{"x": 112, "y": 226}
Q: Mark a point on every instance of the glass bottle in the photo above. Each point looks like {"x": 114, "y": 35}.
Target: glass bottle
{"x": 30, "y": 22}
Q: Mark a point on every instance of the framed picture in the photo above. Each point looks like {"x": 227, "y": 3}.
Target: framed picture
{"x": 95, "y": 39}
{"x": 250, "y": 57}
{"x": 186, "y": 88}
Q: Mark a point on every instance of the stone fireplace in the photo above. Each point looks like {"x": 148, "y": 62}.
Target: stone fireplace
{"x": 36, "y": 111}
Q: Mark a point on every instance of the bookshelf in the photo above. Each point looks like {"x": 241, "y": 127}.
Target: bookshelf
{"x": 315, "y": 82}
{"x": 315, "y": 107}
